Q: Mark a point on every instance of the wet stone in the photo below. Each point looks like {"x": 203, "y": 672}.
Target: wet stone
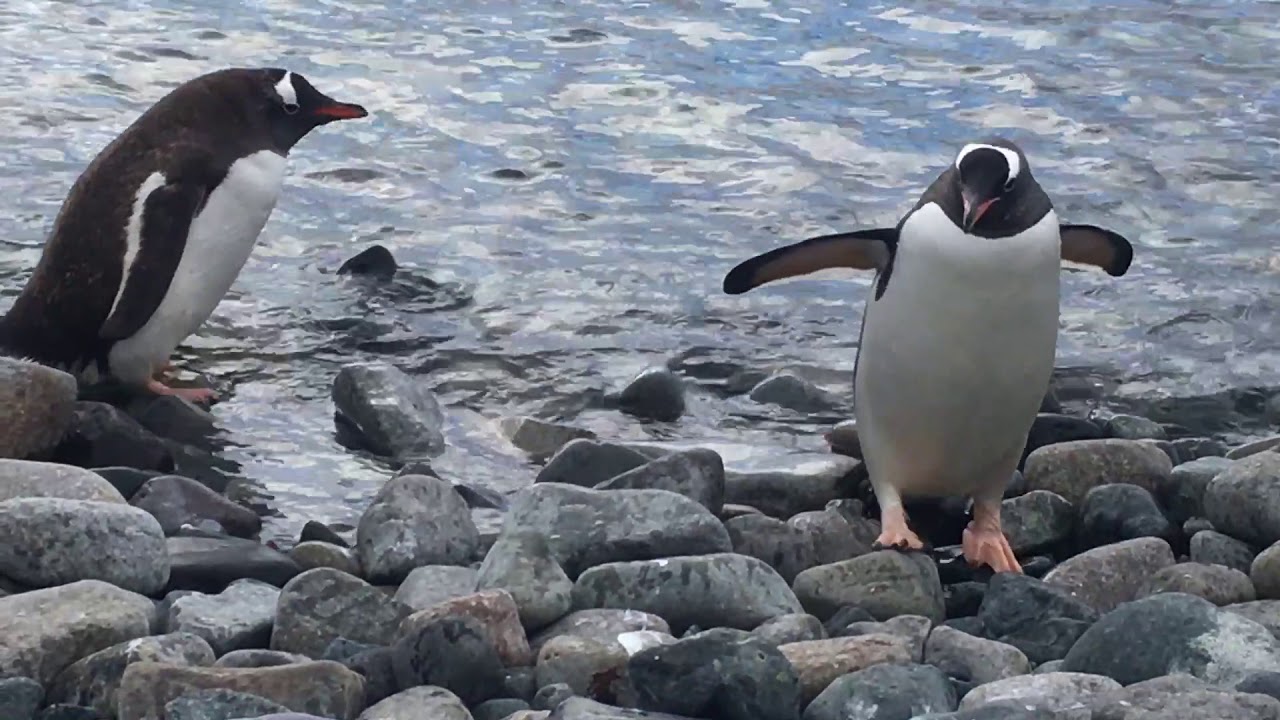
{"x": 1052, "y": 428}
{"x": 314, "y": 531}
{"x": 393, "y": 414}
{"x": 311, "y": 555}
{"x": 451, "y": 652}
{"x": 654, "y": 394}
{"x": 586, "y": 463}
{"x": 101, "y": 435}
{"x": 538, "y": 438}
{"x": 1134, "y": 427}
{"x": 176, "y": 501}
{"x": 793, "y": 392}
{"x": 20, "y": 697}
{"x": 1041, "y": 620}
{"x": 126, "y": 480}
{"x": 799, "y": 483}
{"x": 414, "y": 520}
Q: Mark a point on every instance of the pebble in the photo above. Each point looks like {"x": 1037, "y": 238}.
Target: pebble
{"x": 586, "y": 527}
{"x": 494, "y": 610}
{"x": 603, "y": 625}
{"x": 1264, "y": 612}
{"x": 654, "y": 394}
{"x": 239, "y": 617}
{"x": 39, "y": 403}
{"x": 1134, "y": 427}
{"x": 1071, "y": 469}
{"x": 1112, "y": 513}
{"x": 324, "y": 604}
{"x": 974, "y": 659}
{"x": 538, "y": 438}
{"x": 1264, "y": 571}
{"x": 176, "y": 501}
{"x": 219, "y": 704}
{"x": 521, "y": 563}
{"x": 698, "y": 474}
{"x": 886, "y": 583}
{"x": 101, "y": 435}
{"x": 819, "y": 662}
{"x": 912, "y": 628}
{"x": 29, "y": 479}
{"x": 324, "y": 688}
{"x": 414, "y": 520}
{"x": 785, "y": 547}
{"x": 451, "y": 652}
{"x": 1048, "y": 691}
{"x": 1244, "y": 500}
{"x": 579, "y": 663}
{"x": 885, "y": 692}
{"x": 799, "y": 483}
{"x": 1182, "y": 493}
{"x": 427, "y": 702}
{"x": 1041, "y": 620}
{"x": 1213, "y": 548}
{"x": 20, "y": 697}
{"x": 586, "y": 463}
{"x": 1107, "y": 576}
{"x": 789, "y": 628}
{"x": 47, "y": 541}
{"x": 430, "y": 585}
{"x": 1036, "y": 520}
{"x": 1218, "y": 584}
{"x": 46, "y": 630}
{"x": 209, "y": 564}
{"x": 257, "y": 657}
{"x": 93, "y": 681}
{"x": 793, "y": 392}
{"x": 394, "y": 414}
{"x": 314, "y": 554}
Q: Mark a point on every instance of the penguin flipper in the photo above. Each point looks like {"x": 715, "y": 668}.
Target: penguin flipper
{"x": 166, "y": 218}
{"x": 860, "y": 249}
{"x": 1092, "y": 245}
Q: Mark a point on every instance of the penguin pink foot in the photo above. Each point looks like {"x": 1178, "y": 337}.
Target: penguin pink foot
{"x": 984, "y": 542}
{"x": 894, "y": 531}
{"x": 196, "y": 395}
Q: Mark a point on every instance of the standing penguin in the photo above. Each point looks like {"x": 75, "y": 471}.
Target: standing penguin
{"x": 156, "y": 229}
{"x": 958, "y": 335}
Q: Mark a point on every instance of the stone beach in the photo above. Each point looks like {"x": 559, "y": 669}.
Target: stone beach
{"x": 627, "y": 580}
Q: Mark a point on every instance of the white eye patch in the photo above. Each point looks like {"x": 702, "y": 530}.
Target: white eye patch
{"x": 1010, "y": 157}
{"x": 285, "y": 90}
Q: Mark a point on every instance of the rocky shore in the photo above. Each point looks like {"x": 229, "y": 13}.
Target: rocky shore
{"x": 628, "y": 580}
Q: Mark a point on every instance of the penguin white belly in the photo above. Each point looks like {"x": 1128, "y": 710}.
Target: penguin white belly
{"x": 218, "y": 244}
{"x": 956, "y": 355}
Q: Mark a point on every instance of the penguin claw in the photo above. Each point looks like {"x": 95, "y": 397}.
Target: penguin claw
{"x": 989, "y": 546}
{"x": 195, "y": 395}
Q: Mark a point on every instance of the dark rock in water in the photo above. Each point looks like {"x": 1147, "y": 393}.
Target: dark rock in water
{"x": 102, "y": 435}
{"x": 375, "y": 261}
{"x": 793, "y": 392}
{"x": 93, "y": 681}
{"x": 538, "y": 438}
{"x": 885, "y": 692}
{"x": 414, "y": 520}
{"x": 314, "y": 531}
{"x": 126, "y": 479}
{"x": 886, "y": 583}
{"x": 521, "y": 563}
{"x": 239, "y": 617}
{"x": 843, "y": 439}
{"x": 586, "y": 463}
{"x": 321, "y": 605}
{"x": 1036, "y": 520}
{"x": 20, "y": 697}
{"x": 1071, "y": 469}
{"x": 550, "y": 697}
{"x": 395, "y": 414}
{"x": 498, "y": 708}
{"x": 451, "y": 652}
{"x": 175, "y": 418}
{"x": 724, "y": 674}
{"x": 1214, "y": 548}
{"x": 212, "y": 471}
{"x": 1244, "y": 500}
{"x": 219, "y": 705}
{"x": 1112, "y": 513}
{"x": 1182, "y": 493}
{"x": 257, "y": 657}
{"x": 655, "y": 394}
{"x": 209, "y": 564}
{"x": 787, "y": 549}
{"x": 176, "y": 501}
{"x": 1053, "y": 428}
{"x": 1134, "y": 427}
{"x": 964, "y": 599}
{"x": 1041, "y": 620}
{"x": 38, "y": 405}
{"x": 698, "y": 474}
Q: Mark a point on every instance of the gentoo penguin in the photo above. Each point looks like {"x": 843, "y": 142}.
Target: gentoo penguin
{"x": 958, "y": 334}
{"x": 156, "y": 229}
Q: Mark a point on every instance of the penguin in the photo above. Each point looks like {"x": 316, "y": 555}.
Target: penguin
{"x": 958, "y": 334}
{"x": 156, "y": 229}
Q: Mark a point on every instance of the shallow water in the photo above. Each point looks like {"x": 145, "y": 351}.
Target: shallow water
{"x": 579, "y": 175}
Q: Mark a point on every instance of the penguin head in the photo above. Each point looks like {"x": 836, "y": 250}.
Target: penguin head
{"x": 988, "y": 173}
{"x": 294, "y": 107}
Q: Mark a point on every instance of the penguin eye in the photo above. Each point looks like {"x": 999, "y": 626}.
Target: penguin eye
{"x": 1008, "y": 184}
{"x": 290, "y": 108}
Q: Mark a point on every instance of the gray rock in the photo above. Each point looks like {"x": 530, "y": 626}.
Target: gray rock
{"x": 1244, "y": 500}
{"x": 586, "y": 462}
{"x": 176, "y": 501}
{"x": 414, "y": 520}
{"x": 1253, "y": 448}
{"x": 585, "y": 528}
{"x": 798, "y": 483}
{"x": 602, "y": 625}
{"x": 257, "y": 657}
{"x": 324, "y": 604}
{"x": 1072, "y": 468}
{"x": 452, "y": 652}
{"x": 698, "y": 474}
{"x": 793, "y": 392}
{"x": 47, "y": 630}
{"x": 102, "y": 435}
{"x": 325, "y": 688}
{"x": 1036, "y": 520}
{"x": 886, "y": 584}
{"x": 579, "y": 663}
{"x": 843, "y": 439}
{"x": 834, "y": 537}
{"x": 313, "y": 531}
{"x": 1215, "y": 583}
{"x": 219, "y": 704}
{"x": 38, "y": 404}
{"x": 789, "y": 628}
{"x": 1041, "y": 620}
{"x": 1134, "y": 427}
{"x": 1182, "y": 494}
{"x": 1263, "y": 682}
{"x": 1264, "y": 612}
{"x": 820, "y": 662}
{"x": 127, "y": 480}
{"x": 787, "y": 548}
{"x": 28, "y": 478}
{"x": 966, "y": 657}
{"x": 500, "y": 709}
{"x": 497, "y": 615}
{"x": 655, "y": 394}
{"x": 311, "y": 555}
{"x": 1170, "y": 633}
{"x": 551, "y": 697}
{"x": 718, "y": 590}
{"x": 521, "y": 563}
{"x": 430, "y": 585}
{"x": 1264, "y": 571}
{"x": 1047, "y": 691}
{"x": 1113, "y": 574}
{"x": 578, "y": 708}
{"x": 209, "y": 564}
{"x": 424, "y": 702}
{"x": 884, "y": 692}
{"x": 239, "y": 617}
{"x": 54, "y": 541}
{"x": 912, "y": 628}
{"x": 1173, "y": 697}
{"x": 1113, "y": 513}
{"x": 94, "y": 680}
{"x": 394, "y": 414}
{"x": 1213, "y": 548}
{"x": 20, "y": 697}
{"x": 539, "y": 438}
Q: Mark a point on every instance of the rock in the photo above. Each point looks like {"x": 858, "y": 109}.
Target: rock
{"x": 886, "y": 583}
{"x": 793, "y": 392}
{"x": 321, "y": 688}
{"x": 586, "y": 462}
{"x": 219, "y": 705}
{"x": 20, "y": 697}
{"x": 175, "y": 418}
{"x": 789, "y": 628}
{"x": 912, "y": 628}
{"x": 39, "y": 403}
{"x": 94, "y": 680}
{"x": 494, "y": 610}
{"x": 1173, "y": 632}
{"x": 1112, "y": 513}
{"x": 552, "y": 696}
{"x": 1050, "y": 691}
{"x": 424, "y": 702}
{"x": 1107, "y": 576}
{"x": 719, "y": 673}
{"x": 521, "y": 563}
{"x": 655, "y": 394}
{"x": 585, "y": 528}
{"x": 27, "y": 479}
{"x": 126, "y": 480}
{"x": 311, "y": 555}
{"x": 414, "y": 520}
{"x": 884, "y": 692}
{"x": 1182, "y": 494}
{"x": 819, "y": 662}
{"x": 209, "y": 564}
{"x": 698, "y": 474}
{"x": 577, "y": 708}
{"x": 1253, "y": 448}
{"x": 580, "y": 663}
{"x": 786, "y": 548}
{"x": 1053, "y": 428}
{"x": 966, "y": 657}
{"x": 1134, "y": 427}
{"x": 1264, "y": 612}
{"x": 430, "y": 585}
{"x": 374, "y": 261}
{"x": 602, "y": 625}
{"x": 321, "y": 605}
{"x": 1264, "y": 571}
{"x": 376, "y": 664}
{"x": 1263, "y": 683}
{"x": 69, "y": 712}
{"x": 1036, "y": 520}
{"x": 1172, "y": 697}
{"x": 1243, "y": 501}
{"x": 1194, "y": 448}
{"x": 839, "y": 622}
{"x": 452, "y": 652}
{"x": 394, "y": 414}
{"x": 835, "y": 538}
{"x": 1071, "y": 469}
{"x": 1215, "y": 583}
{"x": 719, "y": 590}
{"x": 313, "y": 531}
{"x": 176, "y": 501}
{"x": 538, "y": 438}
{"x": 239, "y": 617}
{"x": 102, "y": 435}
{"x": 257, "y": 657}
{"x": 963, "y": 598}
{"x": 54, "y": 541}
{"x": 800, "y": 483}
{"x": 499, "y": 708}
{"x": 1041, "y": 620}
{"x": 1213, "y": 548}
{"x": 843, "y": 439}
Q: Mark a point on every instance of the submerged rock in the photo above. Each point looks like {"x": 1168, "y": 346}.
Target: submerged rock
{"x": 791, "y": 391}
{"x": 374, "y": 261}
{"x": 655, "y": 394}
{"x": 539, "y": 438}
{"x": 394, "y": 414}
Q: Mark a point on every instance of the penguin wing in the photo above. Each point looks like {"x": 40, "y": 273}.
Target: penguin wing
{"x": 166, "y": 218}
{"x": 1092, "y": 245}
{"x": 860, "y": 249}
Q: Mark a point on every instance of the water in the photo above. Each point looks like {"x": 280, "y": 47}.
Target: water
{"x": 578, "y": 176}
